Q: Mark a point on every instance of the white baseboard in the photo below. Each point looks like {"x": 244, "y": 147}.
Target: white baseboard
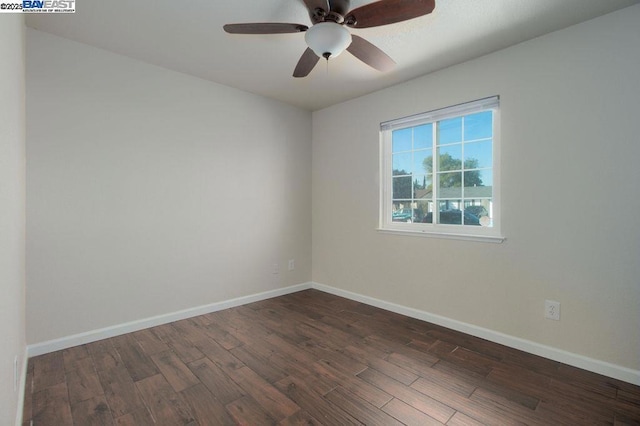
{"x": 576, "y": 360}
{"x": 21, "y": 389}
{"x": 119, "y": 329}
{"x": 600, "y": 367}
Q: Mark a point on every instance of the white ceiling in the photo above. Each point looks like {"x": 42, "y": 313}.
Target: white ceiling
{"x": 187, "y": 36}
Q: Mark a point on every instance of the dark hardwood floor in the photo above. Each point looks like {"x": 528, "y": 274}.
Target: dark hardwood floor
{"x": 314, "y": 358}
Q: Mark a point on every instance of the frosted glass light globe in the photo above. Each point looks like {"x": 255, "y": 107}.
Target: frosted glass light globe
{"x": 328, "y": 39}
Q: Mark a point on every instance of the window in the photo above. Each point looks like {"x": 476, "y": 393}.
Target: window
{"x": 440, "y": 174}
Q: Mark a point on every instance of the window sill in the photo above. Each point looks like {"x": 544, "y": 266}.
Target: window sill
{"x": 444, "y": 235}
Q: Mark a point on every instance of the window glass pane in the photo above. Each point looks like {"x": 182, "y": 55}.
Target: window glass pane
{"x": 450, "y": 157}
{"x": 449, "y": 193}
{"x": 481, "y": 209}
{"x": 476, "y": 194}
{"x": 401, "y": 140}
{"x": 445, "y": 205}
{"x": 471, "y": 219}
{"x": 450, "y": 131}
{"x": 449, "y": 181}
{"x": 478, "y": 208}
{"x": 422, "y": 161}
{"x": 422, "y": 186}
{"x": 449, "y": 212}
{"x": 402, "y": 187}
{"x": 423, "y": 136}
{"x": 478, "y": 155}
{"x": 400, "y": 204}
{"x": 422, "y": 209}
{"x": 402, "y": 212}
{"x": 402, "y": 163}
{"x": 478, "y": 178}
{"x": 478, "y": 126}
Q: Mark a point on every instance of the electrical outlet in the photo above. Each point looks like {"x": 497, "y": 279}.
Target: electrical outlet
{"x": 292, "y": 264}
{"x": 552, "y": 310}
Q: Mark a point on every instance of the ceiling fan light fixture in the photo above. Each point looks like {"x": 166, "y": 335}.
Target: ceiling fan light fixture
{"x": 328, "y": 39}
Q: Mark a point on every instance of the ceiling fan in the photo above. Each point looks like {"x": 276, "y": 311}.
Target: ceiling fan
{"x": 328, "y": 37}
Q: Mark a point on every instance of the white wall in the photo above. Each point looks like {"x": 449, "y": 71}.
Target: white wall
{"x": 571, "y": 212}
{"x": 12, "y": 207}
{"x": 150, "y": 192}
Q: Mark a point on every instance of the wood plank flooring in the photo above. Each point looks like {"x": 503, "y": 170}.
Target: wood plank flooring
{"x": 313, "y": 358}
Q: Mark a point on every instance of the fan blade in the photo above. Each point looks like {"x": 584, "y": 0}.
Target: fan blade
{"x": 313, "y": 6}
{"x": 317, "y": 4}
{"x": 385, "y": 12}
{"x": 370, "y": 54}
{"x": 341, "y": 7}
{"x": 265, "y": 28}
{"x": 307, "y": 61}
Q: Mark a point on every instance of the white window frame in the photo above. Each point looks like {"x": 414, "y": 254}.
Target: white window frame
{"x": 464, "y": 232}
